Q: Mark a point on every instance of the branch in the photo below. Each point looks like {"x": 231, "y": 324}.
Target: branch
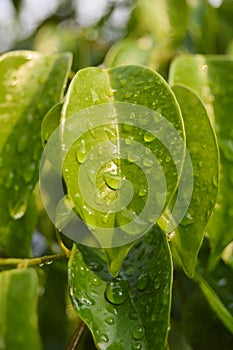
{"x": 22, "y": 263}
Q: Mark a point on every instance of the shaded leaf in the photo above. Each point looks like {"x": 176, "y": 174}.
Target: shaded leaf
{"x": 131, "y": 310}
{"x": 31, "y": 84}
{"x": 209, "y": 77}
{"x": 187, "y": 238}
{"x": 18, "y": 304}
{"x": 215, "y": 303}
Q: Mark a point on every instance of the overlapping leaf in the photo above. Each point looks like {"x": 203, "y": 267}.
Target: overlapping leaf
{"x": 202, "y": 149}
{"x": 132, "y": 310}
{"x": 18, "y": 305}
{"x": 210, "y": 77}
{"x": 31, "y": 83}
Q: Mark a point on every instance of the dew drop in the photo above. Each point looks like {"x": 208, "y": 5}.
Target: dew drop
{"x": 112, "y": 181}
{"x": 17, "y": 209}
{"x": 104, "y": 338}
{"x": 110, "y": 320}
{"x": 95, "y": 281}
{"x": 143, "y": 281}
{"x": 156, "y": 284}
{"x": 116, "y": 292}
{"x": 187, "y": 220}
{"x": 138, "y": 333}
{"x": 215, "y": 180}
{"x": 82, "y": 271}
{"x": 81, "y": 152}
{"x": 136, "y": 346}
{"x": 148, "y": 137}
{"x": 133, "y": 315}
{"x": 95, "y": 266}
{"x": 128, "y": 94}
{"x": 142, "y": 192}
{"x": 147, "y": 162}
{"x": 110, "y": 132}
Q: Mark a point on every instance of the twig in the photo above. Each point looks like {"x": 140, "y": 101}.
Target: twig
{"x": 75, "y": 339}
{"x": 22, "y": 263}
{"x": 61, "y": 244}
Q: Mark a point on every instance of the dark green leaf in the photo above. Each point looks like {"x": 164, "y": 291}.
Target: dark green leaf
{"x": 215, "y": 303}
{"x": 31, "y": 83}
{"x": 18, "y": 305}
{"x": 203, "y": 151}
{"x": 209, "y": 77}
{"x": 132, "y": 310}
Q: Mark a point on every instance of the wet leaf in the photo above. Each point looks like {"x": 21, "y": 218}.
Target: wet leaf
{"x": 202, "y": 148}
{"x": 132, "y": 310}
{"x": 116, "y": 150}
{"x": 209, "y": 77}
{"x": 18, "y": 304}
{"x": 31, "y": 83}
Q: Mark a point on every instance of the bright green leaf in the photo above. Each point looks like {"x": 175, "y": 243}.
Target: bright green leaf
{"x": 132, "y": 310}
{"x": 30, "y": 84}
{"x": 129, "y": 51}
{"x": 51, "y": 122}
{"x": 134, "y": 87}
{"x": 18, "y": 305}
{"x": 210, "y": 77}
{"x": 187, "y": 238}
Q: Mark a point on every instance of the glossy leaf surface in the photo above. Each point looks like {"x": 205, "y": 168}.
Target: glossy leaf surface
{"x": 202, "y": 148}
{"x": 132, "y": 310}
{"x": 210, "y": 78}
{"x": 30, "y": 84}
{"x": 92, "y": 87}
{"x": 18, "y": 305}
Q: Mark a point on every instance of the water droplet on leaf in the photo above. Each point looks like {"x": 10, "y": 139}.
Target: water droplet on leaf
{"x": 112, "y": 181}
{"x": 148, "y": 137}
{"x": 138, "y": 333}
{"x": 116, "y": 292}
{"x": 18, "y": 208}
{"x": 143, "y": 281}
{"x": 110, "y": 320}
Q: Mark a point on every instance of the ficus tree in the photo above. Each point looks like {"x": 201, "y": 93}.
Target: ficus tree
{"x": 116, "y": 194}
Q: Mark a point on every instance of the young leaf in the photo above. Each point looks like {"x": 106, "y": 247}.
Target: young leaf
{"x": 18, "y": 304}
{"x": 132, "y": 310}
{"x": 203, "y": 151}
{"x": 209, "y": 77}
{"x": 30, "y": 84}
{"x": 120, "y": 102}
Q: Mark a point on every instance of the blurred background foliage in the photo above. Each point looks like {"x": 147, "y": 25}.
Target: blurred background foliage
{"x": 109, "y": 33}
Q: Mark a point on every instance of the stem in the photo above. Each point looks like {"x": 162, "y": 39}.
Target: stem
{"x": 22, "y": 263}
{"x": 62, "y": 245}
{"x": 76, "y": 336}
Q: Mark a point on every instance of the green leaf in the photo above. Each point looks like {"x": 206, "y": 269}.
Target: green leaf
{"x": 165, "y": 19}
{"x": 123, "y": 93}
{"x": 50, "y": 122}
{"x": 129, "y": 51}
{"x": 30, "y": 84}
{"x": 187, "y": 238}
{"x": 215, "y": 303}
{"x": 209, "y": 77}
{"x": 18, "y": 304}
{"x": 132, "y": 310}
